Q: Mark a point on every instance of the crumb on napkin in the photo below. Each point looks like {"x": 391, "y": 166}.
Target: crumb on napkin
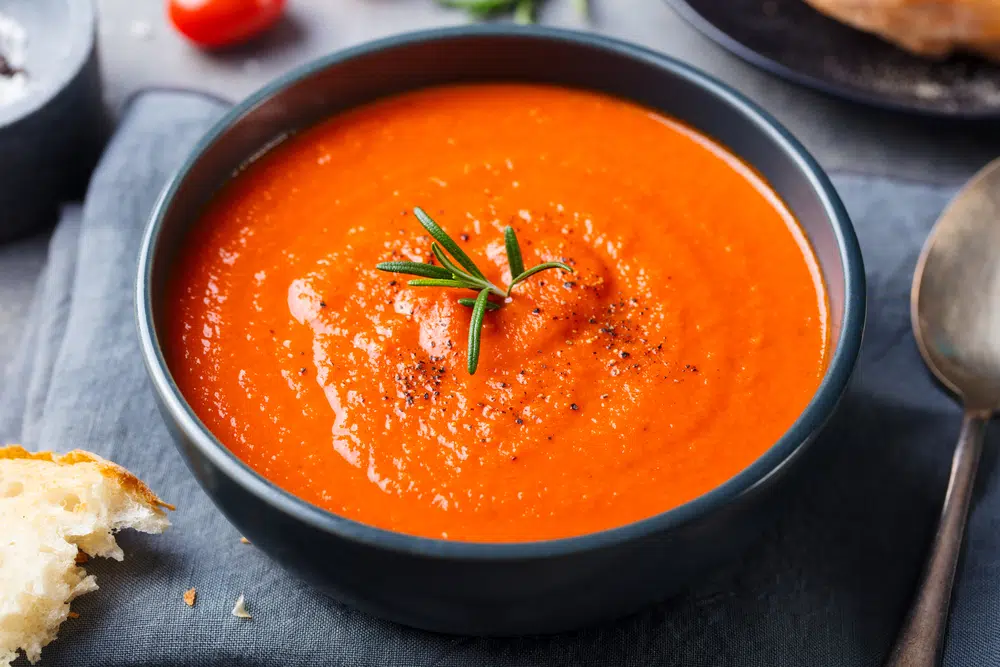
{"x": 240, "y": 608}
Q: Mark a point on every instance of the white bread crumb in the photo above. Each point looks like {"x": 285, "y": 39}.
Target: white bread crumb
{"x": 190, "y": 595}
{"x": 57, "y": 511}
{"x": 244, "y": 540}
{"x": 240, "y": 608}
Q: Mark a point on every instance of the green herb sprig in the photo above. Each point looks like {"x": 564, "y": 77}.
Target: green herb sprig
{"x": 458, "y": 271}
{"x": 524, "y": 10}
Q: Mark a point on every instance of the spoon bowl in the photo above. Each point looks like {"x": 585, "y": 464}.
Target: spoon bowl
{"x": 956, "y": 294}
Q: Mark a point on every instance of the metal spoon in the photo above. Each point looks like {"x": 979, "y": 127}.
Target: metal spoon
{"x": 955, "y": 310}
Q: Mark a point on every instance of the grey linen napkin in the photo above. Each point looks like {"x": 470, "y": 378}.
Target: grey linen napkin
{"x": 826, "y": 585}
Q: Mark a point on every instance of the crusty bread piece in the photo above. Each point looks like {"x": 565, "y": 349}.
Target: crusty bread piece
{"x": 52, "y": 508}
{"x": 933, "y": 28}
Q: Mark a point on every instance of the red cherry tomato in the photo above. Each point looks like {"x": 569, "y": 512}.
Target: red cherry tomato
{"x": 215, "y": 23}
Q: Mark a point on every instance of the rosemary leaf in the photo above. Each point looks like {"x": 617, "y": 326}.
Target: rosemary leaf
{"x": 476, "y": 329}
{"x": 535, "y": 269}
{"x": 490, "y": 305}
{"x": 435, "y": 282}
{"x": 447, "y": 242}
{"x": 513, "y": 252}
{"x": 414, "y": 269}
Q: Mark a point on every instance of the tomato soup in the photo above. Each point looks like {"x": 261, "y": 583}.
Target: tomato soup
{"x": 688, "y": 339}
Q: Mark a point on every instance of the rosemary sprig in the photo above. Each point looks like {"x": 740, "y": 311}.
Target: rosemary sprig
{"x": 524, "y": 10}
{"x": 458, "y": 271}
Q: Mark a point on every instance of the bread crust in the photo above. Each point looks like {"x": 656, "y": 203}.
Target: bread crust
{"x": 57, "y": 511}
{"x": 932, "y": 28}
{"x": 108, "y": 468}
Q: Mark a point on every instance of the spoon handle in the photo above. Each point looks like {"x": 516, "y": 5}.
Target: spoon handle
{"x": 920, "y": 641}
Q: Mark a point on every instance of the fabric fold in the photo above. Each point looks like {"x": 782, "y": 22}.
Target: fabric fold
{"x": 23, "y": 395}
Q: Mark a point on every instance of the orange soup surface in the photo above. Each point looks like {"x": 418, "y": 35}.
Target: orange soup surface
{"x": 690, "y": 337}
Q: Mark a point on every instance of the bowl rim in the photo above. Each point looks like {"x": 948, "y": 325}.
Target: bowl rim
{"x": 819, "y": 408}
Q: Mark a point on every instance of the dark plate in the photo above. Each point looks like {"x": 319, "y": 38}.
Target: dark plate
{"x": 792, "y": 40}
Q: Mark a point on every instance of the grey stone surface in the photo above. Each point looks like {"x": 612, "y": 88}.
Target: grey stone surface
{"x": 139, "y": 49}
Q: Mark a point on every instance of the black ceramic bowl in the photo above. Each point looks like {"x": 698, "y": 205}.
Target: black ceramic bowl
{"x": 501, "y": 589}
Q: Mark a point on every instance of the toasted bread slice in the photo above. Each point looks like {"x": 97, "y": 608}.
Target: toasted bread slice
{"x": 52, "y": 509}
{"x": 933, "y": 28}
